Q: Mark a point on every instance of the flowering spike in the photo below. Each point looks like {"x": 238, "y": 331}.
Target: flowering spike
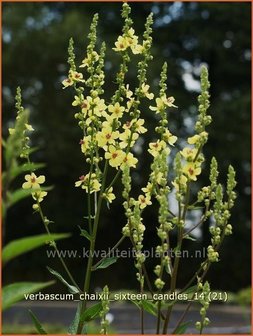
{"x": 71, "y": 58}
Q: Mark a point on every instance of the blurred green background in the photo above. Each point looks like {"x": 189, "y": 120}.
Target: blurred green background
{"x": 186, "y": 35}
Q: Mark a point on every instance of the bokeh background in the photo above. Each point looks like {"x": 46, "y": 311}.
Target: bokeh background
{"x": 186, "y": 35}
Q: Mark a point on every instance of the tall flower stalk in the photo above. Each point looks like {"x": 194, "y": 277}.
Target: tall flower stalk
{"x": 109, "y": 132}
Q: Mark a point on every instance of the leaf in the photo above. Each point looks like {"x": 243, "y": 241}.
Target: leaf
{"x": 190, "y": 238}
{"x": 181, "y": 329}
{"x": 149, "y": 307}
{"x": 72, "y": 330}
{"x": 15, "y": 292}
{"x": 24, "y": 245}
{"x": 85, "y": 234}
{"x": 168, "y": 268}
{"x": 106, "y": 262}
{"x": 191, "y": 289}
{"x": 192, "y": 207}
{"x": 37, "y": 324}
{"x": 25, "y": 168}
{"x": 92, "y": 312}
{"x": 72, "y": 289}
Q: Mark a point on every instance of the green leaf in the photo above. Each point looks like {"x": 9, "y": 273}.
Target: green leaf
{"x": 181, "y": 329}
{"x": 168, "y": 268}
{"x": 72, "y": 289}
{"x": 92, "y": 312}
{"x": 192, "y": 207}
{"x": 190, "y": 238}
{"x": 24, "y": 245}
{"x": 15, "y": 292}
{"x": 106, "y": 262}
{"x": 72, "y": 330}
{"x": 85, "y": 234}
{"x": 191, "y": 289}
{"x": 37, "y": 324}
{"x": 26, "y": 167}
{"x": 149, "y": 307}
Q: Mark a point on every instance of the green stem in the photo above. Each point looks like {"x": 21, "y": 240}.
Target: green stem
{"x": 56, "y": 249}
{"x": 177, "y": 258}
{"x": 92, "y": 247}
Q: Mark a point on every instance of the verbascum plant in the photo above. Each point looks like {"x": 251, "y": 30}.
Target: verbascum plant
{"x": 109, "y": 132}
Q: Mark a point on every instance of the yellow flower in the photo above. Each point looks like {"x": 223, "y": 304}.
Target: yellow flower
{"x": 169, "y": 137}
{"x": 191, "y": 170}
{"x": 121, "y": 44}
{"x": 89, "y": 59}
{"x": 137, "y": 124}
{"x": 86, "y": 105}
{"x": 181, "y": 184}
{"x": 144, "y": 201}
{"x": 129, "y": 104}
{"x": 160, "y": 105}
{"x": 196, "y": 138}
{"x": 163, "y": 102}
{"x": 78, "y": 100}
{"x": 74, "y": 76}
{"x": 129, "y": 160}
{"x": 128, "y": 92}
{"x": 125, "y": 138}
{"x": 131, "y": 32}
{"x": 145, "y": 89}
{"x": 168, "y": 101}
{"x": 67, "y": 82}
{"x": 106, "y": 136}
{"x": 116, "y": 110}
{"x": 109, "y": 195}
{"x": 156, "y": 147}
{"x": 136, "y": 49}
{"x": 84, "y": 180}
{"x": 39, "y": 195}
{"x": 189, "y": 153}
{"x": 148, "y": 189}
{"x": 132, "y": 41}
{"x": 29, "y": 127}
{"x": 98, "y": 106}
{"x": 33, "y": 181}
{"x": 85, "y": 143}
{"x": 115, "y": 156}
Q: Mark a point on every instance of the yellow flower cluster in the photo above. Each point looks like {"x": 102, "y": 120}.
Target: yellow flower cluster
{"x": 89, "y": 183}
{"x": 162, "y": 103}
{"x": 128, "y": 40}
{"x": 87, "y": 61}
{"x": 73, "y": 77}
{"x": 192, "y": 168}
{"x": 34, "y": 182}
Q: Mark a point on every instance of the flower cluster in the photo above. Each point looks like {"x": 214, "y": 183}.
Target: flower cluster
{"x": 105, "y": 309}
{"x": 204, "y": 292}
{"x": 19, "y": 138}
{"x": 110, "y": 130}
{"x": 34, "y": 182}
{"x": 128, "y": 40}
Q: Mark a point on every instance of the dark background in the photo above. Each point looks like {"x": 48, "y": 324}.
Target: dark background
{"x": 186, "y": 35}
